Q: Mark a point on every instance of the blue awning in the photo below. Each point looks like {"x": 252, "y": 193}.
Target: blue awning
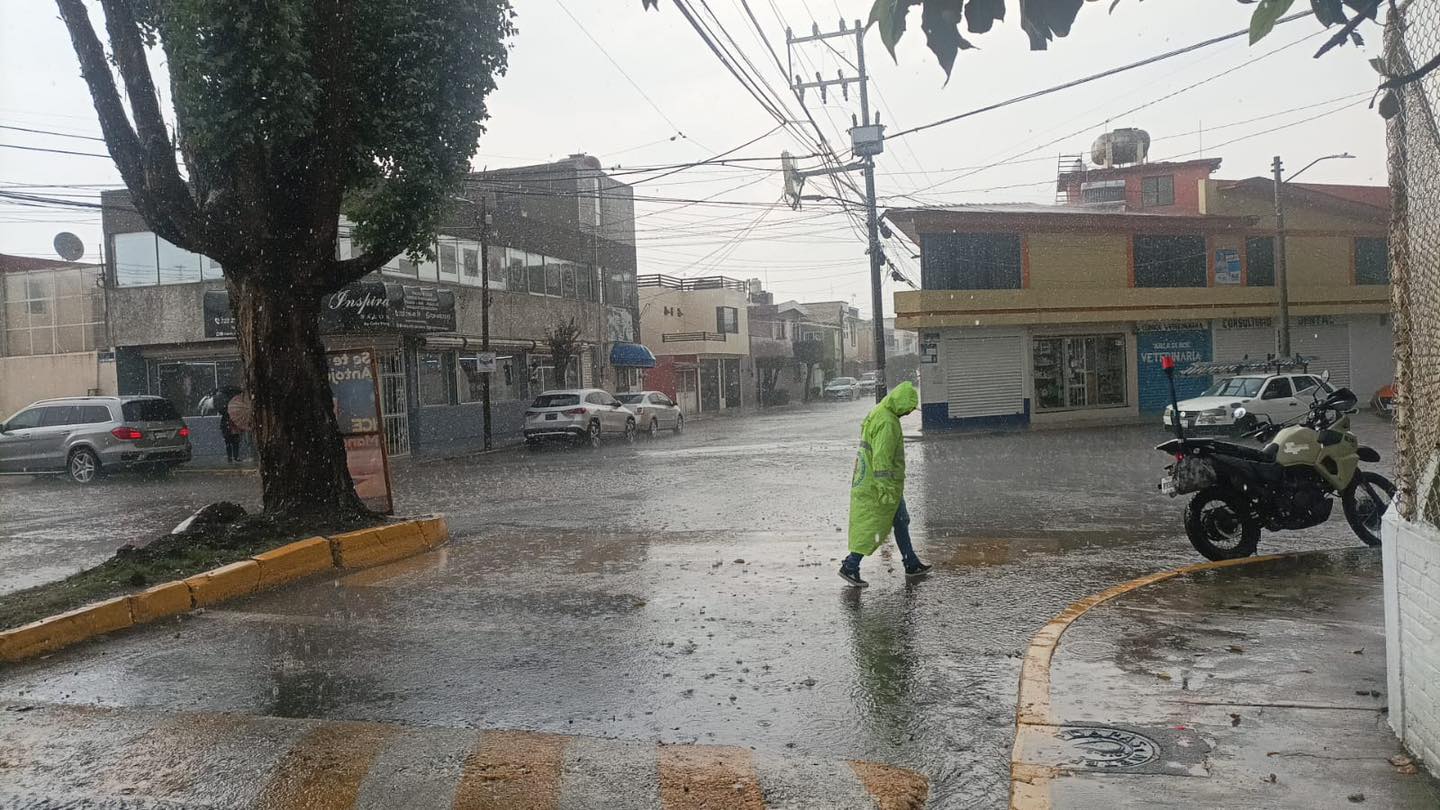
{"x": 632, "y": 355}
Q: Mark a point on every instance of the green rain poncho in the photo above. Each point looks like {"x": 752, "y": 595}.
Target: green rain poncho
{"x": 879, "y": 479}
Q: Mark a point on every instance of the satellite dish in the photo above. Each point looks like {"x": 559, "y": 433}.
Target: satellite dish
{"x": 68, "y": 246}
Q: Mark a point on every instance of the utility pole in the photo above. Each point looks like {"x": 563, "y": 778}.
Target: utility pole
{"x": 1281, "y": 280}
{"x": 867, "y": 139}
{"x": 489, "y": 358}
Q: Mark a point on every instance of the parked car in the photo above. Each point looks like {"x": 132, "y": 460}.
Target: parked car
{"x": 654, "y": 411}
{"x": 582, "y": 415}
{"x": 869, "y": 381}
{"x": 84, "y": 437}
{"x": 841, "y": 388}
{"x": 1280, "y": 396}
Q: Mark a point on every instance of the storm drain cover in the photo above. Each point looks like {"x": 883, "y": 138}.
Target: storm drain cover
{"x": 1107, "y": 748}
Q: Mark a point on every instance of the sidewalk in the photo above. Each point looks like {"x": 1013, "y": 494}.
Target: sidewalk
{"x": 1251, "y": 686}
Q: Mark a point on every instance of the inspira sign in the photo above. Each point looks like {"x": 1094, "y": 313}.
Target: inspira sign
{"x": 367, "y": 306}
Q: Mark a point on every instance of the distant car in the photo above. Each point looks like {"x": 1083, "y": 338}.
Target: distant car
{"x": 841, "y": 388}
{"x": 84, "y": 437}
{"x": 582, "y": 415}
{"x": 654, "y": 411}
{"x": 869, "y": 381}
{"x": 1280, "y": 396}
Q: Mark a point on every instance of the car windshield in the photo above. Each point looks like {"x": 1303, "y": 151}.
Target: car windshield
{"x": 149, "y": 410}
{"x": 843, "y": 381}
{"x": 556, "y": 400}
{"x": 630, "y": 399}
{"x": 1235, "y": 387}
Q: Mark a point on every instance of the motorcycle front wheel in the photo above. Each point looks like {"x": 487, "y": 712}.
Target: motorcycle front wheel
{"x": 1365, "y": 502}
{"x": 1220, "y": 525}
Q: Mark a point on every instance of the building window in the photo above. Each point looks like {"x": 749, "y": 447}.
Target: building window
{"x": 189, "y": 384}
{"x": 553, "y": 277}
{"x": 1103, "y": 191}
{"x": 727, "y": 320}
{"x": 447, "y": 262}
{"x": 585, "y": 279}
{"x": 778, "y": 330}
{"x": 971, "y": 261}
{"x": 53, "y": 311}
{"x": 1170, "y": 261}
{"x": 471, "y": 265}
{"x": 535, "y": 269}
{"x": 1157, "y": 192}
{"x": 435, "y": 373}
{"x": 1372, "y": 260}
{"x": 1079, "y": 372}
{"x": 567, "y": 281}
{"x": 136, "y": 263}
{"x": 1260, "y": 261}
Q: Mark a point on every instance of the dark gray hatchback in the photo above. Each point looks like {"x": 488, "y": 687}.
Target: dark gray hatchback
{"x": 85, "y": 436}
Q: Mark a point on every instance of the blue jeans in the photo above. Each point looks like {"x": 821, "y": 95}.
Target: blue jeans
{"x": 902, "y": 539}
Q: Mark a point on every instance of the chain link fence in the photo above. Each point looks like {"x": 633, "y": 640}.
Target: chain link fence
{"x": 1412, "y": 38}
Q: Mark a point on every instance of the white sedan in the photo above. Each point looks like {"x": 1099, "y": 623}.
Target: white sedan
{"x": 1282, "y": 397}
{"x": 654, "y": 411}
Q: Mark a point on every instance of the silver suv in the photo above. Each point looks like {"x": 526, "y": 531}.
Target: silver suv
{"x": 83, "y": 436}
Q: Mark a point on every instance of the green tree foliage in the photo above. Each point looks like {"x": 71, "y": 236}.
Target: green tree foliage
{"x": 286, "y": 113}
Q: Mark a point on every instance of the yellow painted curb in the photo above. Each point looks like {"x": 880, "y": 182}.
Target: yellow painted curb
{"x": 1030, "y": 782}
{"x": 169, "y": 599}
{"x": 54, "y": 632}
{"x": 294, "y": 561}
{"x": 362, "y": 549}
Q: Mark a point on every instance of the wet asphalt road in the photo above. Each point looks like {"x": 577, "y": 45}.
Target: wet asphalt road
{"x": 681, "y": 591}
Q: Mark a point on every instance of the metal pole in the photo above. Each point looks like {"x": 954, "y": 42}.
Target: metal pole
{"x": 1281, "y": 277}
{"x": 872, "y": 224}
{"x": 485, "y": 314}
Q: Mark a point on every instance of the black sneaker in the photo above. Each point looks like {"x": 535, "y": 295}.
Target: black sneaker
{"x": 852, "y": 576}
{"x": 919, "y": 569}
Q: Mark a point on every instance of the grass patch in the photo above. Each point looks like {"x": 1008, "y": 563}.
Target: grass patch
{"x": 207, "y": 544}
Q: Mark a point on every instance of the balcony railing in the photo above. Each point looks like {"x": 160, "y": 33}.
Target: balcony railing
{"x": 686, "y": 337}
{"x": 689, "y": 284}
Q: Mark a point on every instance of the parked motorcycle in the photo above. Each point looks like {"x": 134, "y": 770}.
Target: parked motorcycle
{"x": 1383, "y": 403}
{"x": 1288, "y": 483}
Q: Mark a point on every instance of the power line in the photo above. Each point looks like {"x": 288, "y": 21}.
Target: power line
{"x": 632, "y": 82}
{"x": 1092, "y": 77}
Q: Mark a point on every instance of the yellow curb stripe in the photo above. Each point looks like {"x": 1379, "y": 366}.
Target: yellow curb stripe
{"x": 892, "y": 788}
{"x": 512, "y": 769}
{"x": 289, "y": 562}
{"x": 1030, "y": 783}
{"x": 324, "y": 770}
{"x": 705, "y": 777}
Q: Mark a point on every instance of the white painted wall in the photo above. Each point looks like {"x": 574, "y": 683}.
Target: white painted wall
{"x": 1412, "y": 634}
{"x": 43, "y": 376}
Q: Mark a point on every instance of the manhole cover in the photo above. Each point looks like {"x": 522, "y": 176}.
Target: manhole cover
{"x": 1107, "y": 748}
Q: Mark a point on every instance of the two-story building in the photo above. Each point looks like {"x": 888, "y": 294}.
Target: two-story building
{"x": 559, "y": 245}
{"x": 53, "y": 340}
{"x": 699, "y": 331}
{"x": 1039, "y": 314}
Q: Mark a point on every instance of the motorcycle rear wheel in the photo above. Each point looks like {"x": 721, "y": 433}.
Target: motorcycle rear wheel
{"x": 1220, "y": 525}
{"x": 1365, "y": 502}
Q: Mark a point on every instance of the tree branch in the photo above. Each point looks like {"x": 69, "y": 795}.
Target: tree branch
{"x": 173, "y": 196}
{"x": 346, "y": 271}
{"x": 124, "y": 145}
{"x": 1361, "y": 14}
{"x": 332, "y": 66}
{"x": 1414, "y": 75}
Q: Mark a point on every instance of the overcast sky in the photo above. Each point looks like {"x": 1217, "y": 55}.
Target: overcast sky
{"x": 564, "y": 95}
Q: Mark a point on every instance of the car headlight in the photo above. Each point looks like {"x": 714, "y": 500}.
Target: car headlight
{"x": 1214, "y": 412}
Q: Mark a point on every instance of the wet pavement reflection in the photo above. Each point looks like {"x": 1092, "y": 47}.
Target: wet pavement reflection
{"x": 679, "y": 591}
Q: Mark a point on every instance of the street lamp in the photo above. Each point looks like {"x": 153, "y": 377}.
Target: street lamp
{"x": 1281, "y": 277}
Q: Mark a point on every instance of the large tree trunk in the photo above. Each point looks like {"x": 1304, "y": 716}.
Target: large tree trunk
{"x": 303, "y": 473}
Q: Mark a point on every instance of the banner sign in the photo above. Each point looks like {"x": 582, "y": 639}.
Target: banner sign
{"x": 355, "y": 390}
{"x": 1227, "y": 266}
{"x": 365, "y": 306}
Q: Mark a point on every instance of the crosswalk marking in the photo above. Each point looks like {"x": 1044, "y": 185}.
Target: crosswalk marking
{"x": 324, "y": 770}
{"x": 703, "y": 777}
{"x": 512, "y": 769}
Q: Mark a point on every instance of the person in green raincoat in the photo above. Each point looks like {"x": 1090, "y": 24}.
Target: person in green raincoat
{"x": 877, "y": 488}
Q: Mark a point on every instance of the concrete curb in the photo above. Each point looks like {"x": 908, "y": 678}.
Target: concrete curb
{"x": 1030, "y": 782}
{"x": 270, "y": 569}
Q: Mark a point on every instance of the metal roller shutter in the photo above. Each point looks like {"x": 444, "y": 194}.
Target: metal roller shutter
{"x": 1329, "y": 345}
{"x": 985, "y": 376}
{"x": 1234, "y": 345}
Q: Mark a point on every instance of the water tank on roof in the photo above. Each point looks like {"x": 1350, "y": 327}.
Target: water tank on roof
{"x": 1121, "y": 146}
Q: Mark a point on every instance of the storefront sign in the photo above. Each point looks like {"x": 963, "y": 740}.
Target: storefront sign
{"x": 369, "y": 306}
{"x": 1185, "y": 347}
{"x": 485, "y": 362}
{"x": 219, "y": 320}
{"x": 1227, "y": 266}
{"x": 376, "y": 305}
{"x": 930, "y": 352}
{"x": 1246, "y": 323}
{"x": 355, "y": 391}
